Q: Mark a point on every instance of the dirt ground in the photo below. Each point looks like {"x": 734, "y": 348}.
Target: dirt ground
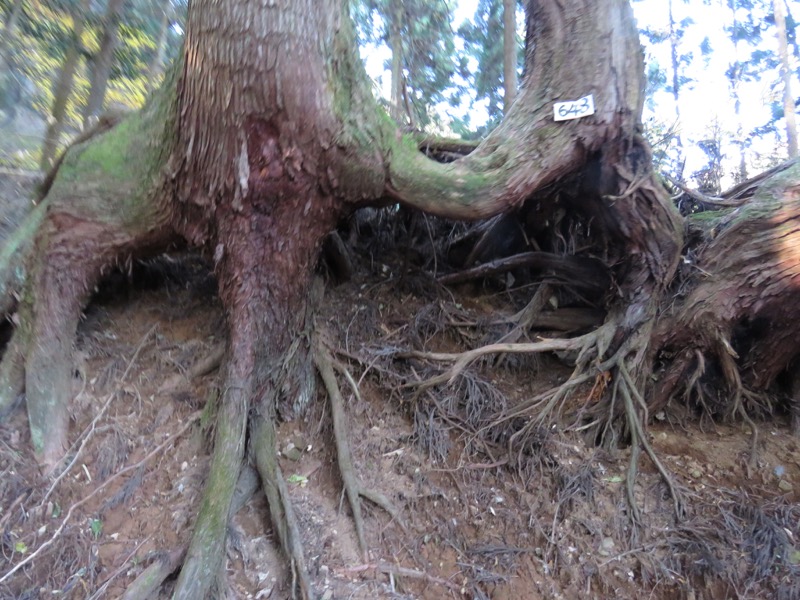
{"x": 477, "y": 522}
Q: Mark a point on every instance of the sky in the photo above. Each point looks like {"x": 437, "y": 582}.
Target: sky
{"x": 705, "y": 100}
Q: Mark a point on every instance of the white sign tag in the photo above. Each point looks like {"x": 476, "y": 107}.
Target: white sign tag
{"x": 574, "y": 109}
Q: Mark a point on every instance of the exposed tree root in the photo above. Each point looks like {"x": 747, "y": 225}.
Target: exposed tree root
{"x": 148, "y": 582}
{"x": 262, "y": 440}
{"x": 585, "y": 273}
{"x": 393, "y": 570}
{"x": 166, "y": 563}
{"x": 589, "y": 365}
{"x": 354, "y": 489}
{"x": 204, "y": 366}
{"x": 207, "y": 548}
{"x": 12, "y": 374}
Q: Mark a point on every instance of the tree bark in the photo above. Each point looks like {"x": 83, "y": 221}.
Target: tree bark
{"x": 63, "y": 88}
{"x": 509, "y": 53}
{"x": 102, "y": 62}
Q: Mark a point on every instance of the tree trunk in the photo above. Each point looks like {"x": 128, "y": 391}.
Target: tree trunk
{"x": 396, "y": 46}
{"x": 155, "y": 69}
{"x": 102, "y": 62}
{"x": 63, "y": 87}
{"x": 10, "y": 31}
{"x": 509, "y": 53}
{"x": 265, "y": 133}
{"x": 786, "y": 77}
{"x": 676, "y": 86}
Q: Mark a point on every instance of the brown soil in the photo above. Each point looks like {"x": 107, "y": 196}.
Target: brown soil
{"x": 551, "y": 522}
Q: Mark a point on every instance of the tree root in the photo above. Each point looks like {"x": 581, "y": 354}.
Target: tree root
{"x": 588, "y": 365}
{"x": 393, "y": 570}
{"x": 166, "y": 563}
{"x": 262, "y": 440}
{"x": 12, "y": 374}
{"x": 204, "y": 366}
{"x": 207, "y": 548}
{"x": 354, "y": 489}
{"x": 149, "y": 581}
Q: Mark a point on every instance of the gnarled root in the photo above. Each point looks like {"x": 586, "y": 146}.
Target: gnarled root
{"x": 612, "y": 382}
{"x": 207, "y": 548}
{"x": 262, "y": 439}
{"x": 354, "y": 489}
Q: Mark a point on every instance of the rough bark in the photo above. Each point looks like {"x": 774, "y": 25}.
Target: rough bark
{"x": 736, "y": 329}
{"x": 102, "y": 62}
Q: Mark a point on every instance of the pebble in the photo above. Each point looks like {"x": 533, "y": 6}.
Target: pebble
{"x": 606, "y": 547}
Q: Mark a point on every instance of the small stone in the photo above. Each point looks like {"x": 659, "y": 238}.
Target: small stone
{"x": 785, "y": 486}
{"x": 293, "y": 453}
{"x": 606, "y": 547}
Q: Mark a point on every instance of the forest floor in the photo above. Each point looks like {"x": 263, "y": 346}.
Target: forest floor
{"x": 552, "y": 522}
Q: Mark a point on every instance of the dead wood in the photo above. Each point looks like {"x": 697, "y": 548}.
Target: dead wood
{"x": 580, "y": 272}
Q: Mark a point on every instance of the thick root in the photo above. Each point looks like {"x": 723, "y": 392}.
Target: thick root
{"x": 262, "y": 439}
{"x": 207, "y": 548}
{"x": 148, "y": 582}
{"x": 352, "y": 486}
{"x": 12, "y": 374}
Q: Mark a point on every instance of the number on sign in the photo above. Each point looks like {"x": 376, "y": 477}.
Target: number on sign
{"x": 574, "y": 109}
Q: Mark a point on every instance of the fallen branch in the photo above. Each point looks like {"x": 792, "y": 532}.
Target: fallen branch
{"x": 578, "y": 271}
{"x": 388, "y": 569}
{"x": 192, "y": 418}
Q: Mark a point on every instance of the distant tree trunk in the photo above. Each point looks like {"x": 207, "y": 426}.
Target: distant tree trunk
{"x": 63, "y": 87}
{"x": 102, "y": 62}
{"x": 509, "y": 53}
{"x": 10, "y": 30}
{"x": 786, "y": 77}
{"x": 155, "y": 69}
{"x": 396, "y": 46}
{"x": 676, "y": 86}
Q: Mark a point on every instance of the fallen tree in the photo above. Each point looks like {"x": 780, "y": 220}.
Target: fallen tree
{"x": 265, "y": 136}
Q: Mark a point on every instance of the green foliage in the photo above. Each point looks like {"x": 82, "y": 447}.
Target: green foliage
{"x": 45, "y": 33}
{"x": 427, "y": 46}
{"x": 483, "y": 42}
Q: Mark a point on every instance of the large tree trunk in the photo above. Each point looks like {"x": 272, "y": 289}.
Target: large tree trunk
{"x": 264, "y": 135}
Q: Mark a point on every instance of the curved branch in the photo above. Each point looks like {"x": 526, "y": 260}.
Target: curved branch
{"x": 577, "y": 45}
